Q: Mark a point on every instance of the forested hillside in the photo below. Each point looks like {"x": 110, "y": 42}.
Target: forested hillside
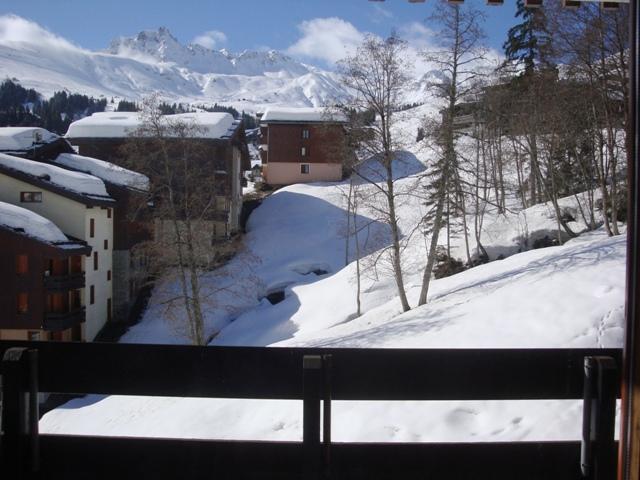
{"x": 26, "y": 107}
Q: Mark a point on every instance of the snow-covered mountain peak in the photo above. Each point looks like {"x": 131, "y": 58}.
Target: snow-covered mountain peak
{"x": 156, "y": 61}
{"x": 162, "y": 46}
{"x": 159, "y": 44}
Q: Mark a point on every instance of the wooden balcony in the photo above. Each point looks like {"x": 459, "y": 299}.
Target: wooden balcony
{"x": 69, "y": 281}
{"x": 56, "y": 322}
{"x": 316, "y": 377}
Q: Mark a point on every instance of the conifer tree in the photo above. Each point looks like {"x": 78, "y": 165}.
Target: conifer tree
{"x": 528, "y": 42}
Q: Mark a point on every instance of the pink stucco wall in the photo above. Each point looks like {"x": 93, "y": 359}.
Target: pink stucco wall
{"x": 284, "y": 173}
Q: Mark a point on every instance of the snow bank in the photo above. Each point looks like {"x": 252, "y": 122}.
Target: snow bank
{"x": 123, "y": 124}
{"x": 104, "y": 170}
{"x": 76, "y": 182}
{"x": 24, "y": 138}
{"x": 32, "y": 224}
{"x": 276, "y": 114}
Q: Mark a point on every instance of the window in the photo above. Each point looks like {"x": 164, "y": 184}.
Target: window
{"x": 106, "y": 244}
{"x": 31, "y": 197}
{"x": 22, "y": 264}
{"x": 23, "y": 303}
{"x": 304, "y": 168}
{"x": 108, "y": 213}
{"x": 305, "y": 133}
{"x": 92, "y": 227}
{"x": 95, "y": 260}
{"x": 33, "y": 336}
{"x": 92, "y": 295}
{"x": 108, "y": 275}
{"x": 304, "y": 151}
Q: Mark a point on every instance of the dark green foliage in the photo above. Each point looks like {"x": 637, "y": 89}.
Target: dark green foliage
{"x": 22, "y": 107}
{"x": 529, "y": 42}
{"x": 222, "y": 108}
{"x": 13, "y": 94}
{"x": 167, "y": 109}
{"x": 249, "y": 121}
{"x": 445, "y": 265}
{"x": 126, "y": 106}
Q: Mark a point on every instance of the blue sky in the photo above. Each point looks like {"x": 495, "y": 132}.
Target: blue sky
{"x": 294, "y": 26}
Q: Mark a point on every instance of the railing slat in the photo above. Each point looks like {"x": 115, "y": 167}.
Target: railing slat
{"x": 72, "y": 457}
{"x": 274, "y": 373}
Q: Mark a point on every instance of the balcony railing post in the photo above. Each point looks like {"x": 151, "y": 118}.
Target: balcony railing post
{"x": 326, "y": 414}
{"x": 598, "y": 452}
{"x": 20, "y": 443}
{"x": 312, "y": 387}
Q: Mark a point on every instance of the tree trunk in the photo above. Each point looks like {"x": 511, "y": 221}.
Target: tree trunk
{"x": 395, "y": 236}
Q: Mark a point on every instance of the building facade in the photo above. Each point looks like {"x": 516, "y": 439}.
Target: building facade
{"x": 129, "y": 190}
{"x": 215, "y": 145}
{"x": 42, "y": 279}
{"x": 80, "y": 206}
{"x": 300, "y": 145}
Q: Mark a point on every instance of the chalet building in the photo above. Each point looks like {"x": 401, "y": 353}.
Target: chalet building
{"x": 42, "y": 279}
{"x": 81, "y": 207}
{"x": 295, "y": 145}
{"x": 128, "y": 189}
{"x": 223, "y": 150}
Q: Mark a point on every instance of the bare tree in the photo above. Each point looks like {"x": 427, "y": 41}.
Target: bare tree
{"x": 594, "y": 45}
{"x": 457, "y": 58}
{"x": 377, "y": 76}
{"x": 186, "y": 192}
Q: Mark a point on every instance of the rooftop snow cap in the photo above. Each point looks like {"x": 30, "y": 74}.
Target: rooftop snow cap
{"x": 124, "y": 124}
{"x": 307, "y": 114}
{"x": 30, "y": 224}
{"x": 75, "y": 182}
{"x": 14, "y": 139}
{"x": 104, "y": 170}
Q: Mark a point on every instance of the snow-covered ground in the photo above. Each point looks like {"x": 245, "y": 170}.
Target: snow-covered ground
{"x": 565, "y": 296}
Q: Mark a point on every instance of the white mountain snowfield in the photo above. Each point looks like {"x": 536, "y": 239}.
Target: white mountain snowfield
{"x": 155, "y": 62}
{"x": 567, "y": 296}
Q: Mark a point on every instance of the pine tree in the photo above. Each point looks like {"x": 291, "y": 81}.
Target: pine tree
{"x": 529, "y": 42}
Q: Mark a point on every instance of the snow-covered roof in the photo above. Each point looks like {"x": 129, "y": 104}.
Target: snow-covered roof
{"x": 306, "y": 114}
{"x": 24, "y": 138}
{"x": 104, "y": 170}
{"x": 74, "y": 182}
{"x": 123, "y": 124}
{"x": 31, "y": 224}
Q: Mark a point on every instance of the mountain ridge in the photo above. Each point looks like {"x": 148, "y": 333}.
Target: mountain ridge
{"x": 155, "y": 61}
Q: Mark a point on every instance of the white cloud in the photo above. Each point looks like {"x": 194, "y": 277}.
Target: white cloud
{"x": 380, "y": 14}
{"x": 210, "y": 39}
{"x": 417, "y": 34}
{"x": 328, "y": 39}
{"x": 14, "y": 29}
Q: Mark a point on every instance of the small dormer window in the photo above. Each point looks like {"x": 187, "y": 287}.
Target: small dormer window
{"x": 37, "y": 137}
{"x": 31, "y": 197}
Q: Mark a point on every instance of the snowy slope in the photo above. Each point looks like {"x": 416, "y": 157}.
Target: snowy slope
{"x": 569, "y": 296}
{"x": 154, "y": 61}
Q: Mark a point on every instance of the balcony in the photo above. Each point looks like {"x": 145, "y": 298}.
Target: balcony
{"x": 70, "y": 281}
{"x": 55, "y": 322}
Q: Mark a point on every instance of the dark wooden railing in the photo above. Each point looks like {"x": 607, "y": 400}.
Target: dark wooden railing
{"x": 315, "y": 376}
